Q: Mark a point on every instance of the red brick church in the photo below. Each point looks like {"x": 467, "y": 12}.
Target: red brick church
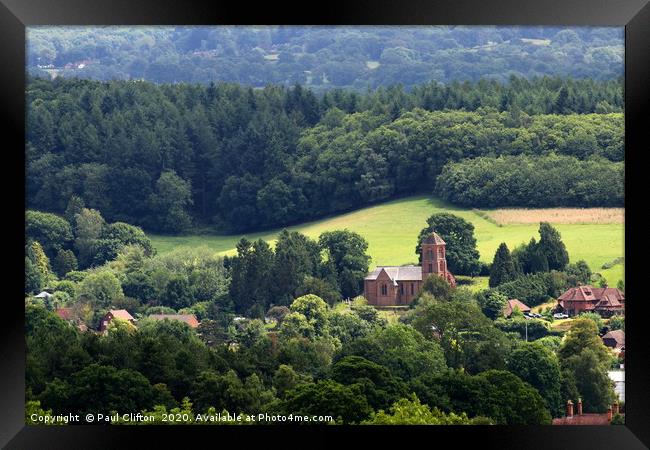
{"x": 399, "y": 285}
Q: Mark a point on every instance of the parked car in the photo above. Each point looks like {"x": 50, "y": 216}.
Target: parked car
{"x": 560, "y": 316}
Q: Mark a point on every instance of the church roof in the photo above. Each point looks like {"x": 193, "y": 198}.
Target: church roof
{"x": 433, "y": 238}
{"x": 398, "y": 273}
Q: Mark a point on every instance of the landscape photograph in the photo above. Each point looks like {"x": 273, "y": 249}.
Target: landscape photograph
{"x": 325, "y": 225}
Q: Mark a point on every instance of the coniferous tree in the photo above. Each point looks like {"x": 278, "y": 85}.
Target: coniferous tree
{"x": 552, "y": 247}
{"x": 503, "y": 268}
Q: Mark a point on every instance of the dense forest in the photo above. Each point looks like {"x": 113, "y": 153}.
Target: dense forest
{"x": 325, "y": 57}
{"x": 167, "y": 157}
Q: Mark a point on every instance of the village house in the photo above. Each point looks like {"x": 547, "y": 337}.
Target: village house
{"x": 604, "y": 301}
{"x": 189, "y": 319}
{"x": 115, "y": 314}
{"x": 615, "y": 340}
{"x": 513, "y": 304}
{"x": 68, "y": 314}
{"x": 399, "y": 285}
{"x": 587, "y": 418}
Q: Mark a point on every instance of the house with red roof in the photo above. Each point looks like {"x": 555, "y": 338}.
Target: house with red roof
{"x": 615, "y": 339}
{"x": 69, "y": 316}
{"x": 604, "y": 301}
{"x": 513, "y": 304}
{"x": 582, "y": 418}
{"x": 115, "y": 314}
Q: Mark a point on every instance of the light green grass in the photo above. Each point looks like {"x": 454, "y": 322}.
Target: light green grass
{"x": 392, "y": 228}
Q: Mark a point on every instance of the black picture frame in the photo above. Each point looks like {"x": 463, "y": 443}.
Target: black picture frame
{"x": 634, "y": 15}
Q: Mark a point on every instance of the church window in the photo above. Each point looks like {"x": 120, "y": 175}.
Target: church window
{"x": 412, "y": 288}
{"x": 429, "y": 254}
{"x": 430, "y": 267}
{"x": 401, "y": 289}
{"x": 384, "y": 289}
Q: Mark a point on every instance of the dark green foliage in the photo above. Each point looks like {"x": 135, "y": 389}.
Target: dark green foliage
{"x": 467, "y": 337}
{"x": 64, "y": 262}
{"x": 53, "y": 349}
{"x": 552, "y": 247}
{"x": 538, "y": 366}
{"x": 169, "y": 202}
{"x": 53, "y": 232}
{"x": 346, "y": 404}
{"x": 586, "y": 360}
{"x": 229, "y": 392}
{"x": 532, "y": 181}
{"x": 378, "y": 385}
{"x": 492, "y": 303}
{"x": 458, "y": 234}
{"x": 496, "y": 394}
{"x": 178, "y": 293}
{"x": 438, "y": 287}
{"x": 296, "y": 256}
{"x": 536, "y": 328}
{"x": 535, "y": 289}
{"x": 241, "y": 159}
{"x": 252, "y": 276}
{"x": 33, "y": 277}
{"x": 98, "y": 389}
{"x": 402, "y": 349}
{"x": 347, "y": 252}
{"x": 578, "y": 273}
{"x": 140, "y": 286}
{"x": 502, "y": 269}
{"x": 319, "y": 287}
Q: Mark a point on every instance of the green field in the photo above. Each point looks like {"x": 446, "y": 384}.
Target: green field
{"x": 391, "y": 230}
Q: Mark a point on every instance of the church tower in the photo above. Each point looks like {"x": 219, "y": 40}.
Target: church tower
{"x": 433, "y": 256}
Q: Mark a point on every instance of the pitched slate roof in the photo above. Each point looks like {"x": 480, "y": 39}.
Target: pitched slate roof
{"x": 398, "y": 273}
{"x": 189, "y": 319}
{"x": 433, "y": 238}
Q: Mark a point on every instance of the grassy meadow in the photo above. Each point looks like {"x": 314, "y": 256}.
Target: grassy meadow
{"x": 391, "y": 230}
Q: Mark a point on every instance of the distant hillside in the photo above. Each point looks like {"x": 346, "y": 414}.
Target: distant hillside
{"x": 325, "y": 57}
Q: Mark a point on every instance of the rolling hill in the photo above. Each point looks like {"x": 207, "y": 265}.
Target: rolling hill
{"x": 391, "y": 230}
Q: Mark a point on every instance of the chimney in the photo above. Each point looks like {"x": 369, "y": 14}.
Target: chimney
{"x": 579, "y": 406}
{"x": 569, "y": 409}
{"x": 615, "y": 411}
{"x": 609, "y": 414}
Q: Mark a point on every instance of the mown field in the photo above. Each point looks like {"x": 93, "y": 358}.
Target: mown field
{"x": 391, "y": 230}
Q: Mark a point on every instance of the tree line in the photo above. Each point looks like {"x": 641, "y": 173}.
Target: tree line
{"x": 167, "y": 157}
{"x": 533, "y": 181}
